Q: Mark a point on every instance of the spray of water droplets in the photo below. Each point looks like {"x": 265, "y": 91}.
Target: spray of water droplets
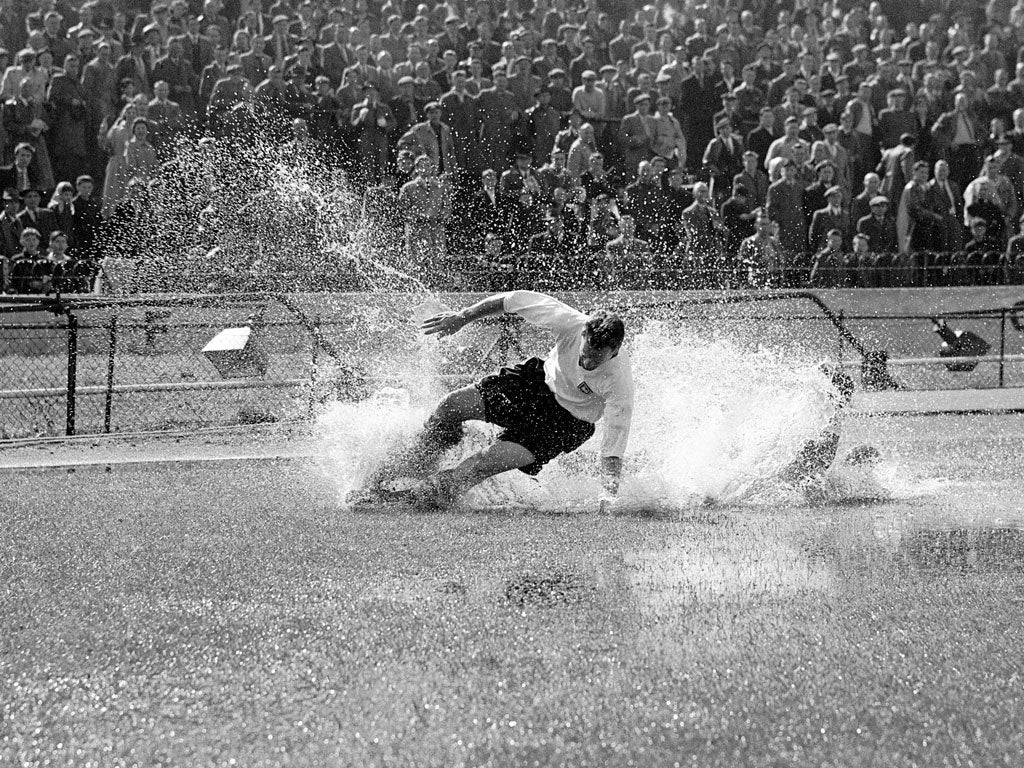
{"x": 714, "y": 422}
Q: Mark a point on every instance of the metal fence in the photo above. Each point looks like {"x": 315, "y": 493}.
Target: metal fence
{"x": 94, "y": 365}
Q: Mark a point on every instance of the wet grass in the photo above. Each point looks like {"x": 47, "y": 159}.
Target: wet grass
{"x": 203, "y": 615}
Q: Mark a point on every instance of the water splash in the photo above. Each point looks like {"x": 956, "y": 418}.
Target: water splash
{"x": 714, "y": 423}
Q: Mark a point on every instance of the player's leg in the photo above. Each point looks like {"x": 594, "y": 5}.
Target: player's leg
{"x": 448, "y": 485}
{"x": 442, "y": 430}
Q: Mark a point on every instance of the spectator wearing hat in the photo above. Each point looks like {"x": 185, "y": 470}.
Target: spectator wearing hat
{"x": 136, "y": 65}
{"x": 760, "y": 139}
{"x": 280, "y": 43}
{"x": 459, "y": 112}
{"x": 432, "y": 138}
{"x": 669, "y": 141}
{"x": 730, "y": 112}
{"x": 785, "y": 206}
{"x": 896, "y": 166}
{"x": 230, "y": 90}
{"x": 69, "y": 113}
{"x": 636, "y": 134}
{"x": 956, "y": 135}
{"x": 809, "y": 131}
{"x": 578, "y": 160}
{"x": 895, "y": 120}
{"x": 783, "y": 146}
{"x": 522, "y": 83}
{"x": 791, "y": 106}
{"x": 615, "y": 90}
{"x": 779, "y": 87}
{"x": 879, "y": 227}
{"x": 738, "y": 217}
{"x": 548, "y": 60}
{"x": 587, "y": 61}
{"x": 722, "y": 160}
{"x": 540, "y": 124}
{"x": 452, "y": 38}
{"x": 406, "y": 108}
{"x": 335, "y": 56}
{"x": 704, "y": 232}
{"x": 698, "y": 100}
{"x": 256, "y": 63}
{"x": 426, "y": 202}
{"x": 749, "y": 100}
{"x": 497, "y": 111}
{"x": 521, "y": 175}
{"x": 830, "y": 218}
{"x": 589, "y": 100}
{"x": 373, "y": 123}
{"x": 753, "y": 179}
{"x": 166, "y": 118}
{"x": 561, "y": 96}
{"x": 620, "y": 47}
{"x": 25, "y": 68}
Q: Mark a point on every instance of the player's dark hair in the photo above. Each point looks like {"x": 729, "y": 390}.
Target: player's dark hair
{"x": 605, "y": 329}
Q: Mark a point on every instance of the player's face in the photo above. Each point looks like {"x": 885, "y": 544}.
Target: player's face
{"x": 591, "y": 357}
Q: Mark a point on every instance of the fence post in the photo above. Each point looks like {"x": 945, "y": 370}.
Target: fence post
{"x": 313, "y": 358}
{"x": 72, "y": 371}
{"x": 108, "y": 400}
{"x": 1002, "y": 344}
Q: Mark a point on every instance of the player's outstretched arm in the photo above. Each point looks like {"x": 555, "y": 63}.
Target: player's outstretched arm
{"x": 448, "y": 323}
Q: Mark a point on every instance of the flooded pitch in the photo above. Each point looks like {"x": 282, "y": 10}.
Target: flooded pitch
{"x": 204, "y": 614}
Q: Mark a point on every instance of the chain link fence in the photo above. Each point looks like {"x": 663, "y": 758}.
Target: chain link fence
{"x": 130, "y": 365}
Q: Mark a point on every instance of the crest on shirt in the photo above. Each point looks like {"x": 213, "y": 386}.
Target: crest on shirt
{"x": 584, "y": 388}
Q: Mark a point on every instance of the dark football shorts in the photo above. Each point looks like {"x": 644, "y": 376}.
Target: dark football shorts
{"x": 517, "y": 399}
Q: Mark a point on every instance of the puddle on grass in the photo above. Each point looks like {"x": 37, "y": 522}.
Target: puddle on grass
{"x": 546, "y": 590}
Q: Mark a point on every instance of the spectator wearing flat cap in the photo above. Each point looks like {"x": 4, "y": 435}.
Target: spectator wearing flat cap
{"x": 497, "y": 112}
{"x": 230, "y": 90}
{"x": 540, "y": 127}
{"x": 722, "y": 160}
{"x": 749, "y": 100}
{"x": 894, "y": 121}
{"x": 589, "y": 100}
{"x": 827, "y": 219}
{"x": 406, "y": 108}
{"x": 730, "y": 112}
{"x": 783, "y": 146}
{"x": 636, "y": 134}
{"x": 698, "y": 100}
{"x": 432, "y": 138}
{"x": 785, "y": 206}
{"x": 879, "y": 227}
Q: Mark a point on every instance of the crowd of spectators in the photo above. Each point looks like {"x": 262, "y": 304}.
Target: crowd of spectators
{"x": 744, "y": 142}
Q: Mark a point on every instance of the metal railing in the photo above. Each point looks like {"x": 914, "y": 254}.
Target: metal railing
{"x": 88, "y": 364}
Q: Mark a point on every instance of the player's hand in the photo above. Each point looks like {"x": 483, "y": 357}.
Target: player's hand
{"x": 444, "y": 324}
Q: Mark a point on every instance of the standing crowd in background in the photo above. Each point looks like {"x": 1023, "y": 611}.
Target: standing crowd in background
{"x": 834, "y": 143}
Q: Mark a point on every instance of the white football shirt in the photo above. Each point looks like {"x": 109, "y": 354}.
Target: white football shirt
{"x": 588, "y": 395}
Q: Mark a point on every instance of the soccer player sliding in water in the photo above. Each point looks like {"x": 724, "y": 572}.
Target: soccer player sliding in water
{"x": 816, "y": 456}
{"x": 546, "y": 406}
